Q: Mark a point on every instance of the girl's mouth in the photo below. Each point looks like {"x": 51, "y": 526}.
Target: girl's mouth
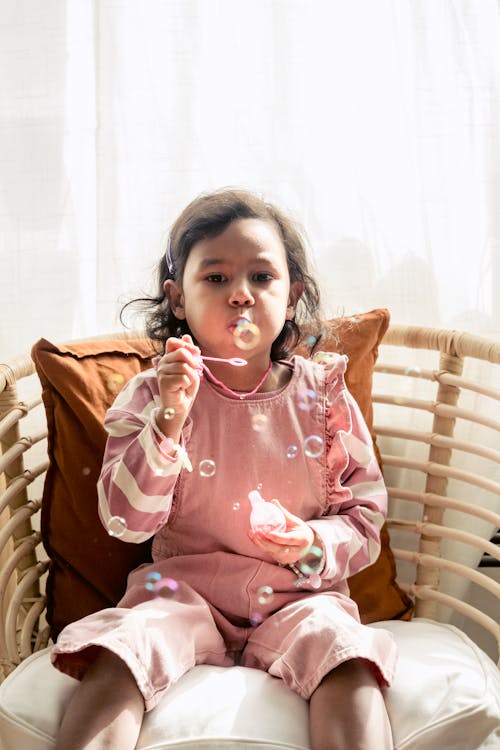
{"x": 239, "y": 321}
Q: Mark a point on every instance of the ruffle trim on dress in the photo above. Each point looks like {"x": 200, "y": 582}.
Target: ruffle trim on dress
{"x": 338, "y": 423}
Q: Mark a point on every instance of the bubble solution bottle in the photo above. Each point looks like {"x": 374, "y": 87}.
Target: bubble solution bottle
{"x": 265, "y": 516}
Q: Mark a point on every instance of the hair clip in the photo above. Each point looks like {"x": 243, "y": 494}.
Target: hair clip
{"x": 168, "y": 258}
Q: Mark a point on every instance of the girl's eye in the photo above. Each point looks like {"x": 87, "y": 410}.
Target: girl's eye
{"x": 261, "y": 278}
{"x": 215, "y": 278}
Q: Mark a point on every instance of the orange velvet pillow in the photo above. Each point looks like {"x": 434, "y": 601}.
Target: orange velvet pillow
{"x": 79, "y": 383}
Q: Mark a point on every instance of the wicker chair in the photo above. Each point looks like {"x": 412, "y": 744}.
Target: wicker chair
{"x": 439, "y": 437}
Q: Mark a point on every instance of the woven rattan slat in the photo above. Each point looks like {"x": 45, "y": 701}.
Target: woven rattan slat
{"x": 429, "y": 438}
{"x": 19, "y": 447}
{"x": 467, "y": 385}
{"x": 431, "y": 468}
{"x": 443, "y": 532}
{"x": 456, "y": 343}
{"x": 16, "y": 521}
{"x": 12, "y": 417}
{"x": 454, "y": 412}
{"x": 19, "y": 485}
{"x": 406, "y": 371}
{"x": 439, "y": 409}
{"x": 451, "y": 503}
{"x": 29, "y": 626}
{"x": 432, "y": 562}
{"x": 30, "y": 577}
{"x": 411, "y": 403}
{"x": 439, "y": 377}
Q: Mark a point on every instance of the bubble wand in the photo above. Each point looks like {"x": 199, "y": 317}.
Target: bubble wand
{"x": 235, "y": 361}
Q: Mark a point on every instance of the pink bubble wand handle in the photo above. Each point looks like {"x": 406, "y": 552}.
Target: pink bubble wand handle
{"x": 235, "y": 361}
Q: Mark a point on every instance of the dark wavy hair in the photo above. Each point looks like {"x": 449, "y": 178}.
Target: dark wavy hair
{"x": 207, "y": 216}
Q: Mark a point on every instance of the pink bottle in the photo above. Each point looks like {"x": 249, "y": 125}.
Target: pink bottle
{"x": 265, "y": 516}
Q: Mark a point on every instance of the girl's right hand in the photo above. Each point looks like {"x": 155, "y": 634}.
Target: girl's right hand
{"x": 178, "y": 380}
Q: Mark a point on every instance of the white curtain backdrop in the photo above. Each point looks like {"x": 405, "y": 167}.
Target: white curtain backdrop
{"x": 376, "y": 122}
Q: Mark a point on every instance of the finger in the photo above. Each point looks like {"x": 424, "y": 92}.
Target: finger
{"x": 289, "y": 516}
{"x": 181, "y": 354}
{"x": 175, "y": 383}
{"x": 173, "y": 343}
{"x": 286, "y": 550}
{"x": 190, "y": 343}
{"x": 172, "y": 380}
{"x": 192, "y": 389}
{"x": 176, "y": 363}
{"x": 185, "y": 343}
{"x": 295, "y": 530}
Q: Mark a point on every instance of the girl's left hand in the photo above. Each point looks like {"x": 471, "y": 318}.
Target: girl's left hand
{"x": 285, "y": 546}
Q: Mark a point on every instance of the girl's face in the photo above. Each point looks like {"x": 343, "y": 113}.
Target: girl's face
{"x": 241, "y": 273}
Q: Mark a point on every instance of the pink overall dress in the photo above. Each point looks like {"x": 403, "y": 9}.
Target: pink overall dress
{"x": 231, "y": 603}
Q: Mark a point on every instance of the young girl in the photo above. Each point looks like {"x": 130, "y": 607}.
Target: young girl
{"x": 257, "y": 480}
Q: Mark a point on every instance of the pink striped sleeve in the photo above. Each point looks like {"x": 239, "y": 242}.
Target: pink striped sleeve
{"x": 137, "y": 480}
{"x": 350, "y": 532}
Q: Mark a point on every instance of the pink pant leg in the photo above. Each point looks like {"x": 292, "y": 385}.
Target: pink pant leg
{"x": 159, "y": 640}
{"x": 306, "y": 639}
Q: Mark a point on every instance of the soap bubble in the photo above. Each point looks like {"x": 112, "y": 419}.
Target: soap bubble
{"x": 292, "y": 451}
{"x": 236, "y": 506}
{"x": 117, "y": 526}
{"x": 312, "y": 561}
{"x": 313, "y": 446}
{"x": 206, "y": 467}
{"x": 152, "y": 579}
{"x": 259, "y": 422}
{"x": 114, "y": 382}
{"x": 324, "y": 358}
{"x": 168, "y": 412}
{"x": 163, "y": 587}
{"x": 315, "y": 581}
{"x": 265, "y": 595}
{"x": 306, "y": 399}
{"x": 166, "y": 588}
{"x": 311, "y": 340}
{"x": 246, "y": 335}
{"x": 86, "y": 471}
{"x": 255, "y": 619}
{"x": 413, "y": 371}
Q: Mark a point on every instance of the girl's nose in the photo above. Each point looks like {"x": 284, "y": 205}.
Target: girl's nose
{"x": 241, "y": 297}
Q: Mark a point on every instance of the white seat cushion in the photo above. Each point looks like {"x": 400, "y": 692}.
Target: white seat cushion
{"x": 446, "y": 695}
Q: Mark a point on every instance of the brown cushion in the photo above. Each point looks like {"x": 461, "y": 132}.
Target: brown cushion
{"x": 79, "y": 383}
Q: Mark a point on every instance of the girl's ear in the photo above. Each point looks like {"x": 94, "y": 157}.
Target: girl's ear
{"x": 175, "y": 298}
{"x": 296, "y": 289}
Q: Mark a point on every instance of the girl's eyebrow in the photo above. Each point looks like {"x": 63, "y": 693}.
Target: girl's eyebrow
{"x": 207, "y": 262}
{"x": 259, "y": 261}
